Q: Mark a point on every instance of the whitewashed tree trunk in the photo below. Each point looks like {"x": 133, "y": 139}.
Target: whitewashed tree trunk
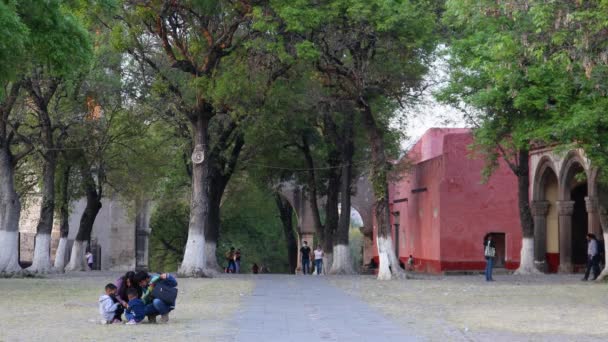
{"x": 10, "y": 210}
{"x": 78, "y": 260}
{"x": 60, "y": 254}
{"x": 603, "y": 213}
{"x": 526, "y": 263}
{"x": 343, "y": 262}
{"x": 386, "y": 253}
{"x": 9, "y": 253}
{"x": 604, "y": 273}
{"x": 193, "y": 264}
{"x": 42, "y": 254}
{"x": 211, "y": 265}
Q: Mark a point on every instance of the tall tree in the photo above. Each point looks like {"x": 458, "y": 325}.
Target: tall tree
{"x": 197, "y": 56}
{"x": 510, "y": 96}
{"x": 376, "y": 53}
{"x": 12, "y": 52}
{"x": 53, "y": 60}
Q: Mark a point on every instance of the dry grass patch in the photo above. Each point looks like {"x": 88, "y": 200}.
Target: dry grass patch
{"x": 65, "y": 308}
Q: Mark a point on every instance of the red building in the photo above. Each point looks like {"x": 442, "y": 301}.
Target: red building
{"x": 442, "y": 210}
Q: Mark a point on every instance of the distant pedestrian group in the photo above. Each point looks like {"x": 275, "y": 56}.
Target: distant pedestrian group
{"x": 306, "y": 254}
{"x": 233, "y": 258}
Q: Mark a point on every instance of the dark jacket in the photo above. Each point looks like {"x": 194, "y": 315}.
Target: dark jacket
{"x": 485, "y": 243}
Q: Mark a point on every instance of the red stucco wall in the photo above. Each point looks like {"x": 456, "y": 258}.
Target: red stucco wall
{"x": 443, "y": 226}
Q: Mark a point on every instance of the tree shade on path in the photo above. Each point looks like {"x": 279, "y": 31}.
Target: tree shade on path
{"x": 309, "y": 308}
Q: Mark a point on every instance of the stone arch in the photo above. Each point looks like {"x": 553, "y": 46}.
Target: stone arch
{"x": 573, "y": 213}
{"x": 545, "y": 166}
{"x": 573, "y": 162}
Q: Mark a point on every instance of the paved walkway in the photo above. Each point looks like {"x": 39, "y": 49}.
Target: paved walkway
{"x": 308, "y": 308}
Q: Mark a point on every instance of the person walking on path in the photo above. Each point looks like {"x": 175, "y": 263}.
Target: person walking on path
{"x": 237, "y": 260}
{"x": 489, "y": 250}
{"x": 319, "y": 259}
{"x": 305, "y": 251}
{"x": 230, "y": 258}
{"x": 89, "y": 257}
{"x": 592, "y": 257}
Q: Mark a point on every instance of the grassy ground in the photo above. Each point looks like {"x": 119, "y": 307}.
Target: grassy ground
{"x": 65, "y": 308}
{"x": 466, "y": 308}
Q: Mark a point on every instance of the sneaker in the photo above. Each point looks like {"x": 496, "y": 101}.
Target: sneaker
{"x": 103, "y": 321}
{"x": 164, "y": 318}
{"x": 116, "y": 320}
{"x": 151, "y": 319}
{"x": 131, "y": 322}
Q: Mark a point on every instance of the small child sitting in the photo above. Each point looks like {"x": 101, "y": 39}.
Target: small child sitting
{"x": 136, "y": 308}
{"x": 108, "y": 305}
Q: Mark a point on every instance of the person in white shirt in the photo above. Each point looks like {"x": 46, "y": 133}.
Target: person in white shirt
{"x": 593, "y": 260}
{"x": 89, "y": 257}
{"x": 318, "y": 259}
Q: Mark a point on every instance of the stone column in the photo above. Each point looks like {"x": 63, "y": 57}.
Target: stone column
{"x": 142, "y": 235}
{"x": 539, "y": 211}
{"x": 594, "y": 218}
{"x": 565, "y": 210}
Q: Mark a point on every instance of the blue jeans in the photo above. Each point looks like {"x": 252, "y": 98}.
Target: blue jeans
{"x": 319, "y": 265}
{"x": 158, "y": 307}
{"x": 306, "y": 266}
{"x": 489, "y": 265}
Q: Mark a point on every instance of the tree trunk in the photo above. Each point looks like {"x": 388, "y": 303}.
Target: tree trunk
{"x": 42, "y": 248}
{"x": 602, "y": 194}
{"x": 343, "y": 263}
{"x": 389, "y": 265}
{"x": 286, "y": 214}
{"x": 312, "y": 190}
{"x": 64, "y": 216}
{"x": 212, "y": 229}
{"x": 87, "y": 220}
{"x": 331, "y": 212}
{"x": 193, "y": 264}
{"x": 10, "y": 210}
{"x": 526, "y": 264}
{"x": 10, "y": 206}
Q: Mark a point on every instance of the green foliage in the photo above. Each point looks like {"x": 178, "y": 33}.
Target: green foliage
{"x": 169, "y": 223}
{"x": 12, "y": 45}
{"x": 250, "y": 222}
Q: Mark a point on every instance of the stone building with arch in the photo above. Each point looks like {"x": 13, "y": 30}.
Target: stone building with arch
{"x": 564, "y": 205}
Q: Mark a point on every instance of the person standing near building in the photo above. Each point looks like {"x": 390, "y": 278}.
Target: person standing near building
{"x": 89, "y": 257}
{"x": 489, "y": 251}
{"x": 319, "y": 259}
{"x": 592, "y": 257}
{"x": 305, "y": 251}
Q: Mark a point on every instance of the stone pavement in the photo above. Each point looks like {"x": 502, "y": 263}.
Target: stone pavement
{"x": 308, "y": 308}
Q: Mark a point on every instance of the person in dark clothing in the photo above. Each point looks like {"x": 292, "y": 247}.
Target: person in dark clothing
{"x": 305, "y": 251}
{"x": 489, "y": 248}
{"x": 155, "y": 306}
{"x": 136, "y": 308}
{"x": 593, "y": 258}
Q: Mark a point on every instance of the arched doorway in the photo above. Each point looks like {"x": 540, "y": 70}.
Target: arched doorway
{"x": 550, "y": 195}
{"x": 574, "y": 219}
{"x": 580, "y": 222}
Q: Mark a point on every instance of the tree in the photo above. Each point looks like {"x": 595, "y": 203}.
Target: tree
{"x": 12, "y": 52}
{"x": 510, "y": 92}
{"x": 46, "y": 53}
{"x": 376, "y": 53}
{"x": 198, "y": 58}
